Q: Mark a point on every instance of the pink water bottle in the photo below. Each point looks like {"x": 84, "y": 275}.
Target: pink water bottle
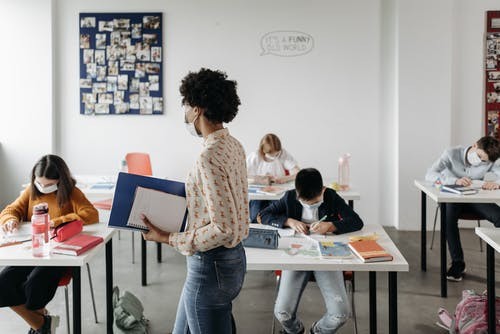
{"x": 40, "y": 230}
{"x": 344, "y": 171}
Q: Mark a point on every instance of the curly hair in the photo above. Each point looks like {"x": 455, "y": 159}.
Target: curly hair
{"x": 213, "y": 92}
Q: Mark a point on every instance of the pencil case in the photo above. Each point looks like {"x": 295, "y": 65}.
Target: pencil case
{"x": 67, "y": 230}
{"x": 260, "y": 238}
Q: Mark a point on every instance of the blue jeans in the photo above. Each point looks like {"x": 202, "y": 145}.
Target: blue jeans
{"x": 214, "y": 279}
{"x": 331, "y": 284}
{"x": 257, "y": 206}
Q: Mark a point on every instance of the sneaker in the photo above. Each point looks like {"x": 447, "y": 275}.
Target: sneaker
{"x": 456, "y": 271}
{"x": 50, "y": 325}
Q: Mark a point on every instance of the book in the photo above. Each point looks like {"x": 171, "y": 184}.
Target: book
{"x": 105, "y": 204}
{"x": 103, "y": 185}
{"x": 369, "y": 251}
{"x": 165, "y": 210}
{"x": 266, "y": 190}
{"x": 461, "y": 190}
{"x": 334, "y": 250}
{"x": 77, "y": 245}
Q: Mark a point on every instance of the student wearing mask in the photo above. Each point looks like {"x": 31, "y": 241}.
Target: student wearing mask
{"x": 217, "y": 201}
{"x": 301, "y": 209}
{"x": 461, "y": 165}
{"x": 269, "y": 164}
{"x": 27, "y": 290}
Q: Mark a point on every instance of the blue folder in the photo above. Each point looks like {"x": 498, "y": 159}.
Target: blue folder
{"x": 125, "y": 194}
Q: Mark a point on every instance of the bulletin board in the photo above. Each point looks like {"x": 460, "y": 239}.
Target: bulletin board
{"x": 492, "y": 74}
{"x": 121, "y": 63}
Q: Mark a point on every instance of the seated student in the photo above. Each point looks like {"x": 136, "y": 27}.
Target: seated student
{"x": 301, "y": 209}
{"x": 27, "y": 290}
{"x": 269, "y": 165}
{"x": 460, "y": 165}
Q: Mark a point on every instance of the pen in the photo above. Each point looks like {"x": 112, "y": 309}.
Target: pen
{"x": 13, "y": 243}
{"x": 319, "y": 221}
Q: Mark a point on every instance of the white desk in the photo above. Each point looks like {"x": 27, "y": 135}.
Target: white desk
{"x": 21, "y": 255}
{"x": 277, "y": 259}
{"x": 492, "y": 238}
{"x": 441, "y": 198}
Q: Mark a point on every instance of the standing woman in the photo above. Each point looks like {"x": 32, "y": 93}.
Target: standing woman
{"x": 217, "y": 202}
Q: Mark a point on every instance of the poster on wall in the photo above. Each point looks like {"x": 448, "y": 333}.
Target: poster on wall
{"x": 121, "y": 64}
{"x": 492, "y": 73}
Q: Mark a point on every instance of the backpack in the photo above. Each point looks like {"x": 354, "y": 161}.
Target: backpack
{"x": 471, "y": 315}
{"x": 128, "y": 314}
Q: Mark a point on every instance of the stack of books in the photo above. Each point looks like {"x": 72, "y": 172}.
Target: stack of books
{"x": 369, "y": 251}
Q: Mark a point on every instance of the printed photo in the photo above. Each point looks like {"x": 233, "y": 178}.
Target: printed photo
{"x": 91, "y": 70}
{"x": 99, "y": 87}
{"x": 101, "y": 73}
{"x": 154, "y": 82}
{"x": 111, "y": 84}
{"x": 134, "y": 85}
{"x": 158, "y": 104}
{"x": 121, "y": 108}
{"x": 491, "y": 62}
{"x": 134, "y": 101}
{"x": 84, "y": 41}
{"x": 149, "y": 39}
{"x": 494, "y": 76}
{"x": 151, "y": 22}
{"x": 146, "y": 105}
{"x": 105, "y": 98}
{"x": 115, "y": 38}
{"x": 121, "y": 24}
{"x": 140, "y": 70}
{"x": 119, "y": 97}
{"x": 113, "y": 68}
{"x": 126, "y": 66}
{"x": 100, "y": 57}
{"x": 143, "y": 54}
{"x": 100, "y": 41}
{"x": 86, "y": 83}
{"x": 87, "y": 22}
{"x": 131, "y": 50}
{"x": 123, "y": 82}
{"x": 105, "y": 26}
{"x": 493, "y": 123}
{"x": 156, "y": 54}
{"x": 88, "y": 56}
{"x": 136, "y": 30}
{"x": 89, "y": 108}
{"x": 88, "y": 98}
{"x": 143, "y": 89}
{"x": 496, "y": 87}
{"x": 493, "y": 97}
{"x": 152, "y": 68}
{"x": 102, "y": 108}
{"x": 495, "y": 23}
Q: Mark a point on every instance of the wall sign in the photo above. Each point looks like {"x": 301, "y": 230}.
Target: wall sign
{"x": 121, "y": 63}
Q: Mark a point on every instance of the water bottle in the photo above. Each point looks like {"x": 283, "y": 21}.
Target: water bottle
{"x": 344, "y": 172}
{"x": 40, "y": 230}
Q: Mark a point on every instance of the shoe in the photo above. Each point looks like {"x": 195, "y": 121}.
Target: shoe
{"x": 50, "y": 324}
{"x": 285, "y": 332}
{"x": 311, "y": 330}
{"x": 456, "y": 271}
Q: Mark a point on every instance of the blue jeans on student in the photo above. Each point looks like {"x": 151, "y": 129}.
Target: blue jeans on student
{"x": 331, "y": 284}
{"x": 257, "y": 206}
{"x": 214, "y": 279}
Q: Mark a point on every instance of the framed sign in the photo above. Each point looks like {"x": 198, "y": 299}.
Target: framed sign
{"x": 121, "y": 63}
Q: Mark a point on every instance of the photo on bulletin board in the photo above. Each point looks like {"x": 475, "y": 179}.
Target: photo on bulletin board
{"x": 121, "y": 64}
{"x": 492, "y": 73}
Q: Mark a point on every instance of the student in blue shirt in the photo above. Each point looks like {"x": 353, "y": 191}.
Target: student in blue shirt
{"x": 461, "y": 165}
{"x": 301, "y": 209}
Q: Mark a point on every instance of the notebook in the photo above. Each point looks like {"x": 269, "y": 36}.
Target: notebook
{"x": 461, "y": 190}
{"x": 266, "y": 190}
{"x": 334, "y": 250}
{"x": 77, "y": 245}
{"x": 164, "y": 210}
{"x": 369, "y": 251}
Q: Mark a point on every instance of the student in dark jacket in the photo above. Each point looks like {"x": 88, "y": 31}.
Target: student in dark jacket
{"x": 301, "y": 209}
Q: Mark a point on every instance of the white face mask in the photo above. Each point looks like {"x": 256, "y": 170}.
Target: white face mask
{"x": 45, "y": 190}
{"x": 271, "y": 157}
{"x": 311, "y": 206}
{"x": 191, "y": 128}
{"x": 474, "y": 158}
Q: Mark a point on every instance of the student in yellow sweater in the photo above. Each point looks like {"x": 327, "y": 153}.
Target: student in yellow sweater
{"x": 27, "y": 290}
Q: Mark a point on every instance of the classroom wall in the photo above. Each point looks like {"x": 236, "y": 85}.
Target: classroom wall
{"x": 26, "y": 126}
{"x": 321, "y": 104}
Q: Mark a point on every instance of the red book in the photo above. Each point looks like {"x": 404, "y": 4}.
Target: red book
{"x": 77, "y": 245}
{"x": 369, "y": 251}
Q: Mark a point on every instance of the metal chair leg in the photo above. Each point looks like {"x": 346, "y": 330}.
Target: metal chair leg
{"x": 133, "y": 248}
{"x": 92, "y": 294}
{"x": 434, "y": 227}
{"x": 273, "y": 327}
{"x": 119, "y": 235}
{"x": 350, "y": 291}
{"x": 67, "y": 308}
{"x": 480, "y": 240}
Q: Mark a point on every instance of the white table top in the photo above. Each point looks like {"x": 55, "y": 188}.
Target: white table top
{"x": 21, "y": 255}
{"x": 278, "y": 259}
{"x": 483, "y": 196}
{"x": 490, "y": 235}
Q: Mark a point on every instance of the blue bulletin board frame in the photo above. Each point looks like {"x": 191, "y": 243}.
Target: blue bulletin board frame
{"x": 121, "y": 63}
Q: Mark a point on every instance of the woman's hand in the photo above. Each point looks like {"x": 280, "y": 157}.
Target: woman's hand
{"x": 491, "y": 186}
{"x": 297, "y": 225}
{"x": 464, "y": 181}
{"x": 154, "y": 233}
{"x": 322, "y": 227}
{"x": 10, "y": 226}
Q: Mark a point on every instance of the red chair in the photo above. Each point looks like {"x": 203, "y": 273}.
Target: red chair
{"x": 64, "y": 281}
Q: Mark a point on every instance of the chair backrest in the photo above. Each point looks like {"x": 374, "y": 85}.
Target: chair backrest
{"x": 139, "y": 163}
{"x": 66, "y": 278}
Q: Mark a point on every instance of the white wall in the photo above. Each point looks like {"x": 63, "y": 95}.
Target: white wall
{"x": 26, "y": 124}
{"x": 321, "y": 104}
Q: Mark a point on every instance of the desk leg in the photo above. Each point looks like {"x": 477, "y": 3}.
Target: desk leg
{"x": 393, "y": 303}
{"x": 423, "y": 232}
{"x": 490, "y": 276}
{"x": 158, "y": 252}
{"x": 109, "y": 286}
{"x": 351, "y": 203}
{"x": 444, "y": 286}
{"x": 77, "y": 301}
{"x": 144, "y": 279}
{"x": 373, "y": 301}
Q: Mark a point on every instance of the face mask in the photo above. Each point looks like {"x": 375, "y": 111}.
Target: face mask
{"x": 474, "y": 158}
{"x": 45, "y": 190}
{"x": 271, "y": 157}
{"x": 311, "y": 206}
{"x": 191, "y": 128}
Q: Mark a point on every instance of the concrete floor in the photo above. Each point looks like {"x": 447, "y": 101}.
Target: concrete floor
{"x": 418, "y": 292}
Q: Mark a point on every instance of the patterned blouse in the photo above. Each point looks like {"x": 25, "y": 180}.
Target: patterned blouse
{"x": 217, "y": 197}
